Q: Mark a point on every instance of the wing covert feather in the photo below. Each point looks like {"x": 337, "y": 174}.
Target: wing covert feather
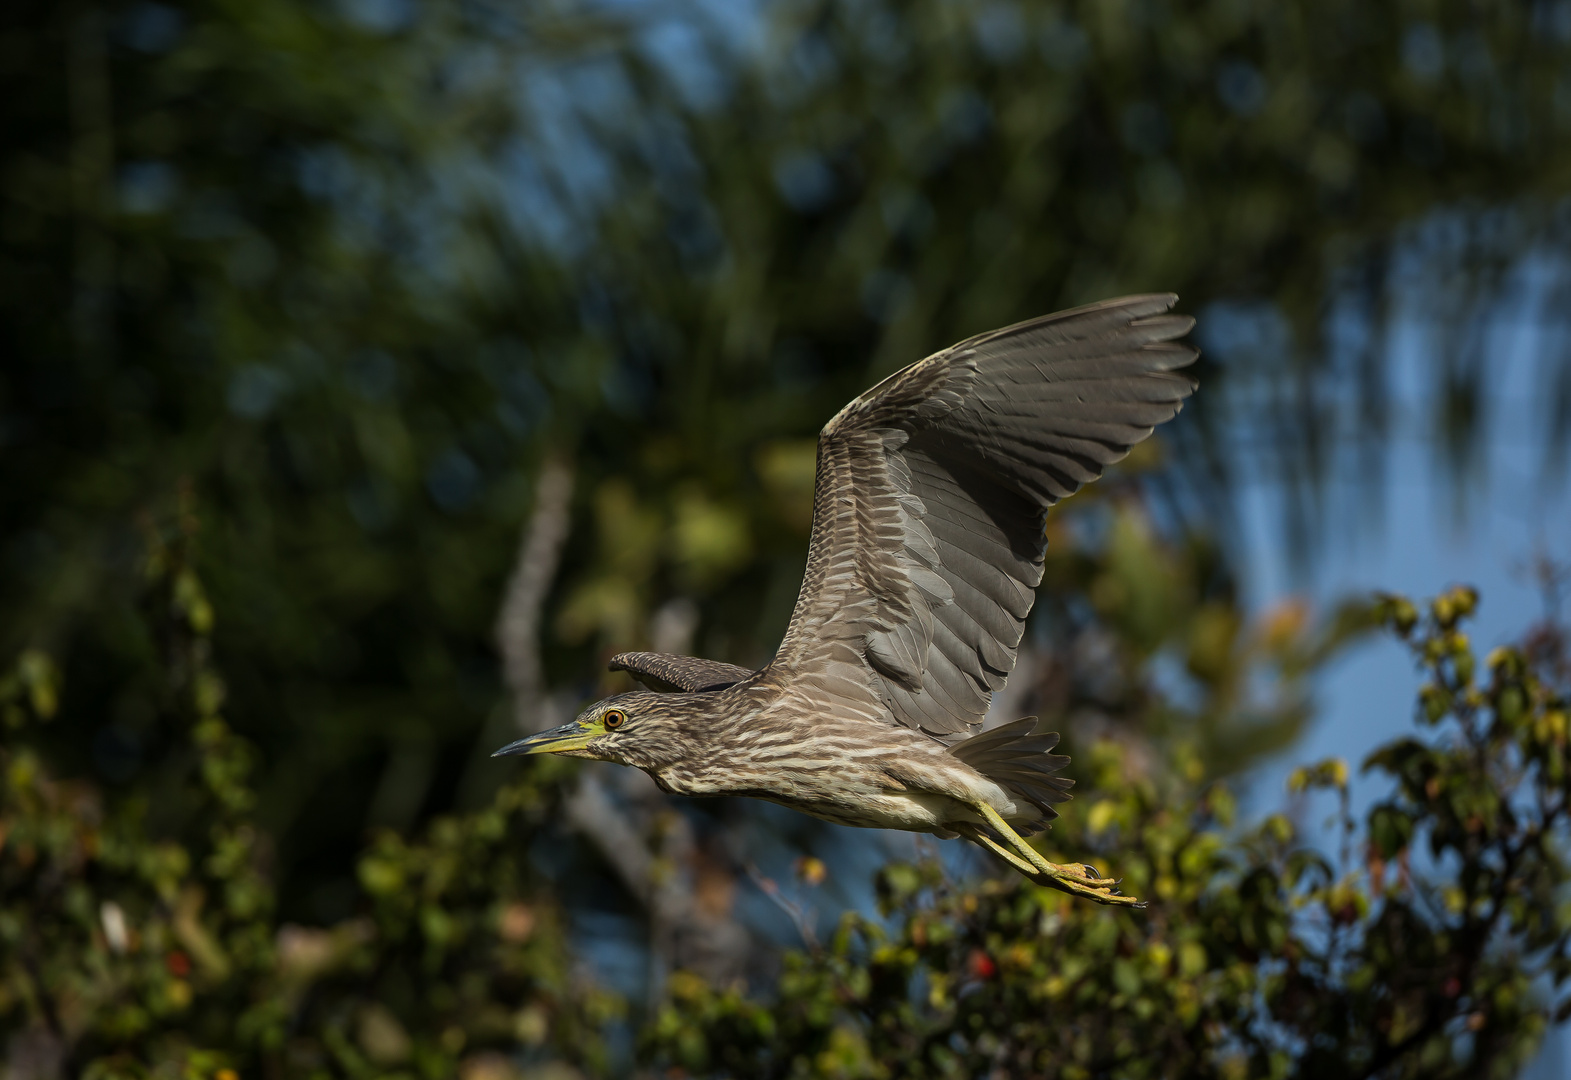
{"x": 668, "y": 673}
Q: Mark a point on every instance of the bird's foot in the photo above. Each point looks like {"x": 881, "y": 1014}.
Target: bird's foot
{"x": 1074, "y": 880}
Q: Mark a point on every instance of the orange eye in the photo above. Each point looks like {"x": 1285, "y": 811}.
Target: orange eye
{"x": 614, "y": 718}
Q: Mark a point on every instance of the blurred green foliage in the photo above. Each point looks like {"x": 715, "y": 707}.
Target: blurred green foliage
{"x": 1120, "y": 601}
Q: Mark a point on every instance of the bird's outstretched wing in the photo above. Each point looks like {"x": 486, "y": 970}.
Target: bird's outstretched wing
{"x": 931, "y": 495}
{"x": 673, "y": 674}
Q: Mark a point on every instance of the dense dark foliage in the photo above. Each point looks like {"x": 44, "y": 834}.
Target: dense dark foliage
{"x": 127, "y": 952}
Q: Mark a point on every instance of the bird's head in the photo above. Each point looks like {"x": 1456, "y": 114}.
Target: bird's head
{"x": 641, "y": 729}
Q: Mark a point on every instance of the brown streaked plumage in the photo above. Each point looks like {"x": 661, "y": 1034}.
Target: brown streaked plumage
{"x": 927, "y": 547}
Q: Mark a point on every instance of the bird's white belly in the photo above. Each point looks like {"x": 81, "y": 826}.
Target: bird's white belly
{"x": 908, "y": 811}
{"x": 931, "y": 792}
{"x": 915, "y": 811}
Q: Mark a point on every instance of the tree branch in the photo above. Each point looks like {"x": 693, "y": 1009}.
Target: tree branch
{"x": 660, "y": 878}
{"x": 518, "y": 622}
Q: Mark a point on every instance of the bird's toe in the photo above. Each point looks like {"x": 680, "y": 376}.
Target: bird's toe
{"x": 1089, "y": 875}
{"x": 1114, "y": 897}
{"x": 1101, "y": 890}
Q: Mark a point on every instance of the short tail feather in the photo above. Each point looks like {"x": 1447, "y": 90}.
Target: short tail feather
{"x": 1017, "y": 757}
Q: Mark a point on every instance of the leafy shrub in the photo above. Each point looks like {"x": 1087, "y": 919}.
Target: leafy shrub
{"x": 125, "y": 954}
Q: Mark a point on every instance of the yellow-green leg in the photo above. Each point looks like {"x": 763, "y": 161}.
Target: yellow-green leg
{"x": 1070, "y": 879}
{"x": 976, "y": 835}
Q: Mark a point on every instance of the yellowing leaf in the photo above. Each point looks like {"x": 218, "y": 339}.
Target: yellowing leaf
{"x": 1101, "y": 816}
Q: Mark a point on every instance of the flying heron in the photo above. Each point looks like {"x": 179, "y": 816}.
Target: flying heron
{"x": 927, "y": 544}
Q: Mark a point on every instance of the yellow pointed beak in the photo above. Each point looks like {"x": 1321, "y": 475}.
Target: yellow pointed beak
{"x": 555, "y": 741}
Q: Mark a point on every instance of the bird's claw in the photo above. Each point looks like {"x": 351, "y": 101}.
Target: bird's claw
{"x": 1092, "y": 876}
{"x": 1072, "y": 879}
{"x": 1084, "y": 873}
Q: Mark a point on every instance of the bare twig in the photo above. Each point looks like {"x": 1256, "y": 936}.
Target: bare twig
{"x": 518, "y": 623}
{"x": 592, "y": 812}
{"x": 800, "y": 918}
{"x": 658, "y": 876}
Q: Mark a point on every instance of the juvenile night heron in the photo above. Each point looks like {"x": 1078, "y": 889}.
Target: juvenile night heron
{"x": 927, "y": 545}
